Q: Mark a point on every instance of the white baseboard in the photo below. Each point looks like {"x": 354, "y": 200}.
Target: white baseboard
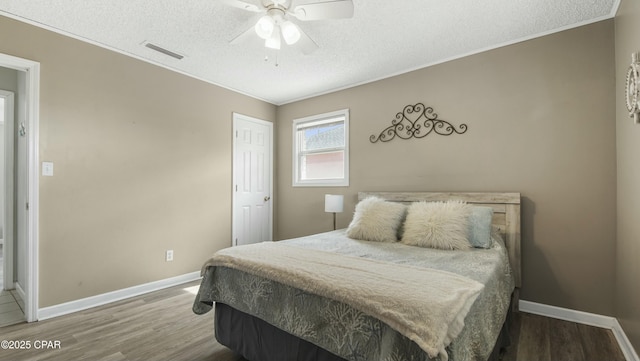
{"x": 627, "y": 348}
{"x": 586, "y": 318}
{"x": 99, "y": 300}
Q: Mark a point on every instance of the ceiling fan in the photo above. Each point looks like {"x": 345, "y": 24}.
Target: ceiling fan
{"x": 275, "y": 26}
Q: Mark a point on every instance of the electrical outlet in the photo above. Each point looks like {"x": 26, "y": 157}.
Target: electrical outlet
{"x": 169, "y": 255}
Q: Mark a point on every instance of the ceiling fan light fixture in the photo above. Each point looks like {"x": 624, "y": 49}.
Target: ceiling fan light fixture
{"x": 274, "y": 41}
{"x": 265, "y": 27}
{"x": 290, "y": 32}
{"x": 274, "y": 26}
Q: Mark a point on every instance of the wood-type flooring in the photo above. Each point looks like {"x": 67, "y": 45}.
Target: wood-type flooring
{"x": 161, "y": 326}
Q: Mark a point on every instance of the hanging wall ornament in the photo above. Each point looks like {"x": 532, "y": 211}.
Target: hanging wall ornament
{"x": 417, "y": 121}
{"x": 632, "y": 88}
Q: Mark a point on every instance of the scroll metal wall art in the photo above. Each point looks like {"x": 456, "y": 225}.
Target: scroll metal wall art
{"x": 417, "y": 121}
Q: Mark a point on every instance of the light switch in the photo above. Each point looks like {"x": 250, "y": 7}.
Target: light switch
{"x": 47, "y": 169}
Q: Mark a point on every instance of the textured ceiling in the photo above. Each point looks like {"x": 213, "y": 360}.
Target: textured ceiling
{"x": 384, "y": 38}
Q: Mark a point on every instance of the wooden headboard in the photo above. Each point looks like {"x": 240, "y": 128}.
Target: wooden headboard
{"x": 506, "y": 215}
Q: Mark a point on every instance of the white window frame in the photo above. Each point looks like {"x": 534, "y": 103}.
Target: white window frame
{"x": 335, "y": 182}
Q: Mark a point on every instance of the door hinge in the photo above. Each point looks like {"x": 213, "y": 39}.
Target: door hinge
{"x": 27, "y": 205}
{"x": 236, "y": 187}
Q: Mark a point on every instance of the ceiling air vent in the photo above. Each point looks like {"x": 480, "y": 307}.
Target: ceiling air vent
{"x": 163, "y": 50}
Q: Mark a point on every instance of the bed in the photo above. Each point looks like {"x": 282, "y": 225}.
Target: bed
{"x": 324, "y": 297}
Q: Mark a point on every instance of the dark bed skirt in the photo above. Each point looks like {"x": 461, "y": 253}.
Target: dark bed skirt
{"x": 257, "y": 340}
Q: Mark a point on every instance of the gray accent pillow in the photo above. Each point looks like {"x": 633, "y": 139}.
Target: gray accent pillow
{"x": 480, "y": 226}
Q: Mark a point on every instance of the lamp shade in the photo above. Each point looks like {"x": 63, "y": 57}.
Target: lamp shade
{"x": 333, "y": 203}
{"x": 290, "y": 32}
{"x": 264, "y": 27}
{"x": 274, "y": 41}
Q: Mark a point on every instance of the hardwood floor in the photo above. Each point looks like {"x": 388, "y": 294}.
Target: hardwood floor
{"x": 11, "y": 310}
{"x": 156, "y": 326}
{"x": 161, "y": 326}
{"x": 545, "y": 339}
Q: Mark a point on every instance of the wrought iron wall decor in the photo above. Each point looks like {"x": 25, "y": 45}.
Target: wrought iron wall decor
{"x": 632, "y": 88}
{"x": 417, "y": 121}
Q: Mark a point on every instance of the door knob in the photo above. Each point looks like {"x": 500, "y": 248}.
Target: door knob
{"x": 266, "y": 198}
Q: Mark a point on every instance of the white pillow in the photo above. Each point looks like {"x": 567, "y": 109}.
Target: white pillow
{"x": 377, "y": 220}
{"x": 442, "y": 225}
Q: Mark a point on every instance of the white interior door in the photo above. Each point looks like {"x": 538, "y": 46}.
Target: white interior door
{"x": 252, "y": 180}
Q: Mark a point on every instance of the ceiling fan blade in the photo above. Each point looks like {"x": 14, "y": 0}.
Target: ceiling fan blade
{"x": 306, "y": 44}
{"x": 244, "y": 36}
{"x": 319, "y": 10}
{"x": 242, "y": 5}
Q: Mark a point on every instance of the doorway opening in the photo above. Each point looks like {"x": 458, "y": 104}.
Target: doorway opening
{"x": 11, "y": 302}
{"x": 21, "y": 189}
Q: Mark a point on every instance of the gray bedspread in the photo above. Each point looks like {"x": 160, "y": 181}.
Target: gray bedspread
{"x": 350, "y": 333}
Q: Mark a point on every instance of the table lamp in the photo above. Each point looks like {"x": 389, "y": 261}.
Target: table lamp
{"x": 333, "y": 203}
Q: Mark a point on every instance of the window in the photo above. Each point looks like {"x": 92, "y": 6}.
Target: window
{"x": 321, "y": 150}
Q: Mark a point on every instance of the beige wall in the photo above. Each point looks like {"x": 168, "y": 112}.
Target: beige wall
{"x": 541, "y": 122}
{"x": 627, "y": 29}
{"x": 142, "y": 162}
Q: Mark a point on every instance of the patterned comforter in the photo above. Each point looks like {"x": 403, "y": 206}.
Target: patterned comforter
{"x": 352, "y": 334}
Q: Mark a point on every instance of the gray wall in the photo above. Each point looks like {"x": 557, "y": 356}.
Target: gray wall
{"x": 142, "y": 159}
{"x": 628, "y": 143}
{"x": 540, "y": 116}
{"x": 9, "y": 81}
